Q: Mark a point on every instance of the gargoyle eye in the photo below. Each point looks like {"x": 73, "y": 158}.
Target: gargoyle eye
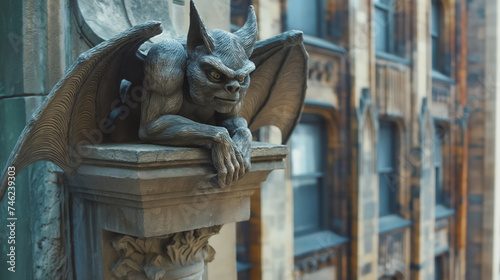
{"x": 216, "y": 75}
{"x": 241, "y": 80}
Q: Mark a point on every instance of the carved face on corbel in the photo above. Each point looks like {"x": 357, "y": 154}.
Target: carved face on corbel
{"x": 219, "y": 68}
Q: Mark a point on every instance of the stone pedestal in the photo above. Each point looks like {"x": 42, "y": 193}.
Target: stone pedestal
{"x": 146, "y": 212}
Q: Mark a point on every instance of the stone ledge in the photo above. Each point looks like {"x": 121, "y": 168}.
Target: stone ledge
{"x": 148, "y": 190}
{"x": 149, "y": 155}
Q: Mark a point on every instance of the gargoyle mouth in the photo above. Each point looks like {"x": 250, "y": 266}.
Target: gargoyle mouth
{"x": 226, "y": 99}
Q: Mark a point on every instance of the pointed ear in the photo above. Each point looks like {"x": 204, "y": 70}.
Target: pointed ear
{"x": 197, "y": 34}
{"x": 248, "y": 33}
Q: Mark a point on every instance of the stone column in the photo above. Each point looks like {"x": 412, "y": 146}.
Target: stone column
{"x": 491, "y": 200}
{"x": 146, "y": 212}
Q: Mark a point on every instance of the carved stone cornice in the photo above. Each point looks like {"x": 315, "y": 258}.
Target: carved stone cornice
{"x": 180, "y": 255}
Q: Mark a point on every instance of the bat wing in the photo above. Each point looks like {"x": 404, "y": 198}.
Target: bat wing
{"x": 278, "y": 84}
{"x": 74, "y": 111}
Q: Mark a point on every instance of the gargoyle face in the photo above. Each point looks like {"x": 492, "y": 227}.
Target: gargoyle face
{"x": 221, "y": 78}
{"x": 218, "y": 69}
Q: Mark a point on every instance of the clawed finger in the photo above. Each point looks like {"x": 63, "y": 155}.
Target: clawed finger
{"x": 241, "y": 164}
{"x": 238, "y": 166}
{"x": 247, "y": 165}
{"x": 229, "y": 163}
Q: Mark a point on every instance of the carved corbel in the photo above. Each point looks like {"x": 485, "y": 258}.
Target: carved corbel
{"x": 180, "y": 255}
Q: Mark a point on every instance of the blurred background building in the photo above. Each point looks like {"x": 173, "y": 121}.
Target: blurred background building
{"x": 392, "y": 172}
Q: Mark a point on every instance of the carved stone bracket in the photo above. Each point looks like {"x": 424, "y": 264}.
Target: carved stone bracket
{"x": 179, "y": 255}
{"x": 147, "y": 212}
{"x": 321, "y": 71}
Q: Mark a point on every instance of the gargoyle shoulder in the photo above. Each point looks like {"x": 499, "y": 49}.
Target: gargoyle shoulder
{"x": 165, "y": 66}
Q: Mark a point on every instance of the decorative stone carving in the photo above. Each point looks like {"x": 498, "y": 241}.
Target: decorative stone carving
{"x": 392, "y": 257}
{"x": 323, "y": 79}
{"x": 315, "y": 262}
{"x": 180, "y": 255}
{"x": 321, "y": 71}
{"x": 100, "y": 20}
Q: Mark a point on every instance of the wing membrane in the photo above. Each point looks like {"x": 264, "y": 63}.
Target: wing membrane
{"x": 278, "y": 85}
{"x": 71, "y": 112}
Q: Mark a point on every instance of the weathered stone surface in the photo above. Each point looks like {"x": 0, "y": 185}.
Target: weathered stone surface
{"x": 180, "y": 255}
{"x": 50, "y": 223}
{"x": 366, "y": 235}
{"x": 148, "y": 191}
{"x": 131, "y": 181}
{"x": 101, "y": 20}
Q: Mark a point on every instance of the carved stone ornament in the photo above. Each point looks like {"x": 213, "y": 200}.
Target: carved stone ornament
{"x": 101, "y": 20}
{"x": 181, "y": 255}
{"x": 209, "y": 89}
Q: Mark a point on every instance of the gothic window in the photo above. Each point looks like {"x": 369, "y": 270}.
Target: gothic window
{"x": 384, "y": 25}
{"x": 311, "y": 175}
{"x": 386, "y": 166}
{"x": 308, "y": 146}
{"x": 436, "y": 12}
{"x": 438, "y": 165}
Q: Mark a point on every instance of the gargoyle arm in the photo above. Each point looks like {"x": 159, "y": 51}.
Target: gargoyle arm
{"x": 179, "y": 131}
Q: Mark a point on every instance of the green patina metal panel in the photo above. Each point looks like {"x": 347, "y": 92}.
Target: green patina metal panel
{"x": 11, "y": 47}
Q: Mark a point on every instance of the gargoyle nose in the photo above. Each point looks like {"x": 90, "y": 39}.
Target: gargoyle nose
{"x": 232, "y": 88}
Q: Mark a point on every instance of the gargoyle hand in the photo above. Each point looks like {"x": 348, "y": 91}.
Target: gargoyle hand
{"x": 228, "y": 160}
{"x": 242, "y": 138}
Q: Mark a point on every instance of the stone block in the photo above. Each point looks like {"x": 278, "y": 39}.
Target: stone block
{"x": 150, "y": 192}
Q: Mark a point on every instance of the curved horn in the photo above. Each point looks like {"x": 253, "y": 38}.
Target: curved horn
{"x": 197, "y": 34}
{"x": 248, "y": 33}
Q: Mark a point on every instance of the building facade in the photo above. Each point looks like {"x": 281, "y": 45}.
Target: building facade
{"x": 380, "y": 182}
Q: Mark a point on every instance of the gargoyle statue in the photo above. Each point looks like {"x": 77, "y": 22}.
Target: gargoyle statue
{"x": 210, "y": 89}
